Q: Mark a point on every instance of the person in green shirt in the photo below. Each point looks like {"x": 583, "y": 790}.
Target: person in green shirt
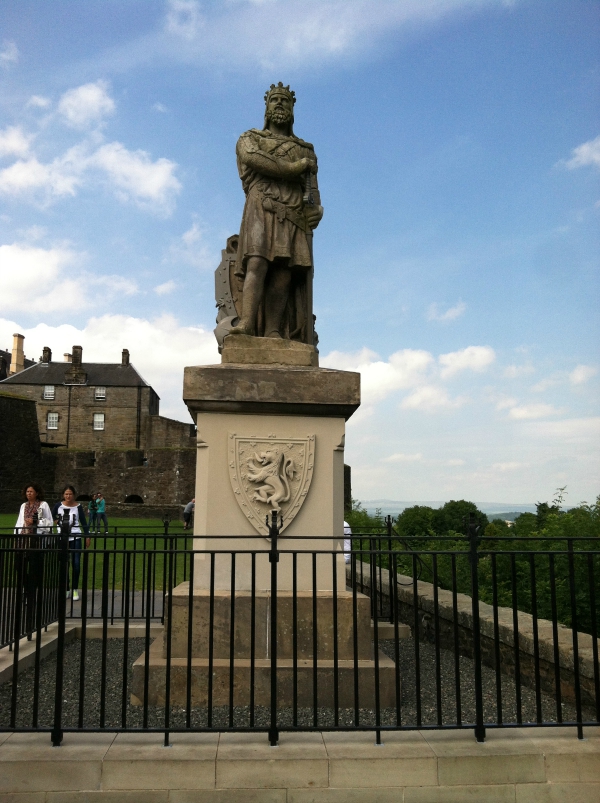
{"x": 101, "y": 513}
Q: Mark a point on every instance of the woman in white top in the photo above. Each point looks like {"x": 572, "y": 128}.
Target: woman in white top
{"x": 35, "y": 519}
{"x": 74, "y": 513}
{"x": 34, "y": 503}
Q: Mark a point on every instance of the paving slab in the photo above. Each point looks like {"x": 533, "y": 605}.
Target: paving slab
{"x": 404, "y": 759}
{"x": 248, "y": 761}
{"x": 558, "y": 793}
{"x": 141, "y": 761}
{"x": 505, "y": 757}
{"x": 76, "y": 764}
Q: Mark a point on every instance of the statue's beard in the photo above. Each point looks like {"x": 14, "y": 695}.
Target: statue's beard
{"x": 279, "y": 116}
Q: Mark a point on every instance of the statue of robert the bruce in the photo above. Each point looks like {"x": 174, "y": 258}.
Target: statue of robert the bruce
{"x": 274, "y": 255}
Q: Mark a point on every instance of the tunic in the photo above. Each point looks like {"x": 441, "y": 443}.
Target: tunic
{"x": 273, "y": 224}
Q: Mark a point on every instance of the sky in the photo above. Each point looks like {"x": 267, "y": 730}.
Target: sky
{"x": 457, "y": 262}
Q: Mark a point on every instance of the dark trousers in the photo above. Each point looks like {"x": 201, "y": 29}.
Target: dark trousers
{"x": 32, "y": 580}
{"x": 93, "y": 517}
{"x": 75, "y": 553}
{"x": 101, "y": 517}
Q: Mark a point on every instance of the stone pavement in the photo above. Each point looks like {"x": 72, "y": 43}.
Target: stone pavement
{"x": 545, "y": 765}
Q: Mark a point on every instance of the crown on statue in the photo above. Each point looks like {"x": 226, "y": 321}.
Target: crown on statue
{"x": 280, "y": 89}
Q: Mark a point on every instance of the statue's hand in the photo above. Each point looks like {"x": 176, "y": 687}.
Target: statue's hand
{"x": 304, "y": 164}
{"x": 313, "y": 215}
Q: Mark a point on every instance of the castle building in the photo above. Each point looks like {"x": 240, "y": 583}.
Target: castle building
{"x": 96, "y": 405}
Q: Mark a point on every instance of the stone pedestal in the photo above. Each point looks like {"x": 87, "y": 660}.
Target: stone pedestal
{"x": 247, "y": 410}
{"x": 271, "y": 435}
{"x": 246, "y": 663}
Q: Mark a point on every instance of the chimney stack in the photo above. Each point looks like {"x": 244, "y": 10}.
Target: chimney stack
{"x": 67, "y": 357}
{"x": 17, "y": 362}
{"x": 75, "y": 375}
{"x": 125, "y": 357}
{"x": 46, "y": 354}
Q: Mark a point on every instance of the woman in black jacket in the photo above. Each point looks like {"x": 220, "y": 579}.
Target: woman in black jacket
{"x": 69, "y": 509}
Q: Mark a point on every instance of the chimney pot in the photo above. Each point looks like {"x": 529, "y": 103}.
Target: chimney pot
{"x": 67, "y": 357}
{"x": 77, "y": 355}
{"x": 125, "y": 357}
{"x": 17, "y": 362}
{"x": 46, "y": 354}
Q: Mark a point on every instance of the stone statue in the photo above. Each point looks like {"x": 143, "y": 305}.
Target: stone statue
{"x": 270, "y": 289}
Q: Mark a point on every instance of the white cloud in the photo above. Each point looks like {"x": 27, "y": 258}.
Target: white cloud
{"x": 530, "y": 411}
{"x": 184, "y": 18}
{"x": 41, "y": 280}
{"x": 86, "y": 105}
{"x": 515, "y": 371}
{"x": 288, "y": 33}
{"x": 431, "y": 397}
{"x": 9, "y": 53}
{"x": 159, "y": 107}
{"x": 134, "y": 176}
{"x": 59, "y": 178}
{"x": 473, "y": 358}
{"x": 192, "y": 249}
{"x": 399, "y": 457}
{"x": 165, "y": 288}
{"x": 39, "y": 102}
{"x": 544, "y": 384}
{"x": 509, "y": 466}
{"x": 569, "y": 430}
{"x": 404, "y": 369}
{"x": 581, "y": 374}
{"x": 586, "y": 154}
{"x": 14, "y": 142}
{"x": 160, "y": 348}
{"x": 504, "y": 404}
{"x": 451, "y": 314}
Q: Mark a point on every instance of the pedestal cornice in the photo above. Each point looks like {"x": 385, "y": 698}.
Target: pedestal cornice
{"x": 276, "y": 390}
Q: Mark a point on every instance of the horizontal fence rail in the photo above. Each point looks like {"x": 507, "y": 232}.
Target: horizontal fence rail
{"x": 298, "y": 633}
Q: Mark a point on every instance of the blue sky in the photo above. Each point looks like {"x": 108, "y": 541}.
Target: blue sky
{"x": 457, "y": 261}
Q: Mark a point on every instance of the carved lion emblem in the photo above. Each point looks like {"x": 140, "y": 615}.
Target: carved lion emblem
{"x": 270, "y": 474}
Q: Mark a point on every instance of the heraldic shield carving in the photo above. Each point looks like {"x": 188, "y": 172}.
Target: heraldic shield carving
{"x": 270, "y": 474}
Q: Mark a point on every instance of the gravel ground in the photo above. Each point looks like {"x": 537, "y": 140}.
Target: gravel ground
{"x": 325, "y": 717}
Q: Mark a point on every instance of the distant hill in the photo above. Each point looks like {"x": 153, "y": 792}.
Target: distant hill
{"x": 392, "y": 507}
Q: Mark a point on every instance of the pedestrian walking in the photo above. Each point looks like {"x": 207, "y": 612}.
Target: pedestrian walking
{"x": 69, "y": 510}
{"x": 101, "y": 513}
{"x": 188, "y": 513}
{"x": 93, "y": 512}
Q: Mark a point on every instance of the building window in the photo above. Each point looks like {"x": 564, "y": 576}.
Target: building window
{"x": 49, "y": 392}
{"x": 100, "y": 394}
{"x": 98, "y": 421}
{"x": 52, "y": 421}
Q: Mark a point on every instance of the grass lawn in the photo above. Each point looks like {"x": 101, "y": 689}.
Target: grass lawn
{"x": 136, "y": 536}
{"x": 8, "y": 520}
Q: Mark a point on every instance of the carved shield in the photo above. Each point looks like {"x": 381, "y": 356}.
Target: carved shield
{"x": 270, "y": 474}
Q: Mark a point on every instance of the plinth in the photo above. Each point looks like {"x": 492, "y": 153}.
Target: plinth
{"x": 270, "y": 436}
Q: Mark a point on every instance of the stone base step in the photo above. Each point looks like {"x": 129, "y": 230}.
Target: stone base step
{"x": 364, "y": 672}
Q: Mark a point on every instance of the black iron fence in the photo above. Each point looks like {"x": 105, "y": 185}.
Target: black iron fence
{"x": 291, "y": 634}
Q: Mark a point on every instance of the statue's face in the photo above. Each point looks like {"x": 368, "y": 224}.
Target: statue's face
{"x": 280, "y": 108}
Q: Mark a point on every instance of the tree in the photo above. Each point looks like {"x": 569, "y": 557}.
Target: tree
{"x": 454, "y": 515}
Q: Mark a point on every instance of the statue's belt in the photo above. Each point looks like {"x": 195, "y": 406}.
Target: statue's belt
{"x": 284, "y": 212}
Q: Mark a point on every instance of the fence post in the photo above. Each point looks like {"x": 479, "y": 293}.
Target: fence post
{"x": 273, "y": 560}
{"x": 473, "y": 535}
{"x": 391, "y": 573}
{"x": 63, "y": 570}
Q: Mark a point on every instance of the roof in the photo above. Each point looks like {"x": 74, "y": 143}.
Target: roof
{"x": 8, "y": 357}
{"x": 98, "y": 373}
